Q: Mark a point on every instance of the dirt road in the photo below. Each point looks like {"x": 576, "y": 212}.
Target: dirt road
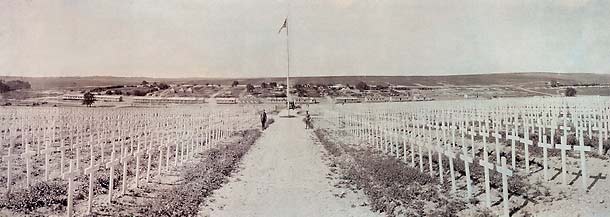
{"x": 284, "y": 175}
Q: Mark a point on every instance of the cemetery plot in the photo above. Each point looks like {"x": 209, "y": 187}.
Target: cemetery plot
{"x": 55, "y": 160}
{"x": 509, "y": 156}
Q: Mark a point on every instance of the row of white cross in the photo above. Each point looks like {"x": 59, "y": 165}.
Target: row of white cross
{"x": 391, "y": 129}
{"x": 127, "y": 134}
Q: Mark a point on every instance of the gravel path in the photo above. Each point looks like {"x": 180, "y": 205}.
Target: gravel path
{"x": 284, "y": 175}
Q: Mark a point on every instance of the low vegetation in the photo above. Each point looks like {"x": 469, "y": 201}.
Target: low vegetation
{"x": 412, "y": 193}
{"x": 201, "y": 178}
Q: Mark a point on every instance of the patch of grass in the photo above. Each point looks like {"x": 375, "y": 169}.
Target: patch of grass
{"x": 41, "y": 194}
{"x": 391, "y": 186}
{"x": 330, "y": 146}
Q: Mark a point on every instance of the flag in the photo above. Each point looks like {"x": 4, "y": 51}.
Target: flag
{"x": 285, "y": 25}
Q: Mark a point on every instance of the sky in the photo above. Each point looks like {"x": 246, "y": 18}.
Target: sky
{"x": 239, "y": 38}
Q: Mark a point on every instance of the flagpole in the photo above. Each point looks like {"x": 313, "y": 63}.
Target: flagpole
{"x": 287, "y": 67}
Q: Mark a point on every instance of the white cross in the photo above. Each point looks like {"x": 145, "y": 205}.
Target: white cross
{"x": 505, "y": 172}
{"x": 138, "y": 155}
{"x": 91, "y": 170}
{"x": 583, "y": 160}
{"x": 497, "y": 144}
{"x": 70, "y": 176}
{"x": 600, "y": 139}
{"x": 563, "y": 146}
{"x": 9, "y": 158}
{"x": 439, "y": 149}
{"x": 62, "y": 149}
{"x": 487, "y": 166}
{"x": 545, "y": 145}
{"x": 467, "y": 160}
{"x": 111, "y": 164}
{"x": 514, "y": 137}
{"x": 526, "y": 143}
{"x": 27, "y": 156}
{"x": 125, "y": 160}
{"x": 449, "y": 153}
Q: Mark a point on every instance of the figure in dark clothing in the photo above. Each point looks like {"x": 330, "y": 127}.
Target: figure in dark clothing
{"x": 263, "y": 119}
{"x": 307, "y": 120}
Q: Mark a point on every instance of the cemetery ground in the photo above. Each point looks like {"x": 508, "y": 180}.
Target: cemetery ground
{"x": 439, "y": 158}
{"x": 170, "y": 167}
{"x": 284, "y": 175}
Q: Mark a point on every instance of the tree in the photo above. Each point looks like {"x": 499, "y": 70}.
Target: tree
{"x": 362, "y": 86}
{"x": 263, "y": 85}
{"x": 88, "y": 99}
{"x": 570, "y": 91}
{"x": 144, "y": 82}
{"x": 17, "y": 85}
{"x": 4, "y": 87}
{"x": 163, "y": 86}
{"x": 554, "y": 83}
{"x": 235, "y": 83}
{"x": 273, "y": 84}
{"x": 250, "y": 88}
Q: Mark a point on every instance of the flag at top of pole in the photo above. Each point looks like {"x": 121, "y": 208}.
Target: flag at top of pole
{"x": 285, "y": 25}
{"x": 288, "y": 98}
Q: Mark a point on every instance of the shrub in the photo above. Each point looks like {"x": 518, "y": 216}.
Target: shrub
{"x": 40, "y": 194}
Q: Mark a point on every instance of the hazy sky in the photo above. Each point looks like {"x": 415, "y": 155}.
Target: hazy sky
{"x": 238, "y": 38}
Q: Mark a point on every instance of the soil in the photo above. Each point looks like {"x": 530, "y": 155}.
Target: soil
{"x": 284, "y": 175}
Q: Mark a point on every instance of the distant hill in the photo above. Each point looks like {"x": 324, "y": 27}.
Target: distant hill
{"x": 528, "y": 79}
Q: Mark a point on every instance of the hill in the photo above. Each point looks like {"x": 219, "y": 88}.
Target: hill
{"x": 530, "y": 79}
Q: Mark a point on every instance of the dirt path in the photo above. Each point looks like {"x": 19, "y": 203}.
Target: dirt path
{"x": 284, "y": 175}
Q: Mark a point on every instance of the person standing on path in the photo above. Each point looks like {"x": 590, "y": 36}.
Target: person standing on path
{"x": 263, "y": 119}
{"x": 307, "y": 120}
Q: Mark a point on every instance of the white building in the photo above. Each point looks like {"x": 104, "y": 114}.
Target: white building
{"x": 168, "y": 100}
{"x": 339, "y": 100}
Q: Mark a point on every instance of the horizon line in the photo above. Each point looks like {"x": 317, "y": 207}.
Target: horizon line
{"x": 312, "y": 76}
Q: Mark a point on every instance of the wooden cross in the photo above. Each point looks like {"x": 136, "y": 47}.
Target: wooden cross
{"x": 487, "y": 166}
{"x": 467, "y": 160}
{"x": 449, "y": 153}
{"x": 545, "y": 145}
{"x": 505, "y": 172}
{"x": 70, "y": 176}
{"x": 9, "y": 158}
{"x": 91, "y": 170}
{"x": 27, "y": 156}
{"x": 497, "y": 144}
{"x": 526, "y": 143}
{"x": 149, "y": 163}
{"x": 111, "y": 164}
{"x": 440, "y": 150}
{"x": 160, "y": 163}
{"x": 62, "y": 149}
{"x": 583, "y": 160}
{"x": 514, "y": 137}
{"x": 563, "y": 146}
{"x": 138, "y": 154}
{"x": 472, "y": 134}
{"x": 600, "y": 139}
{"x": 125, "y": 160}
